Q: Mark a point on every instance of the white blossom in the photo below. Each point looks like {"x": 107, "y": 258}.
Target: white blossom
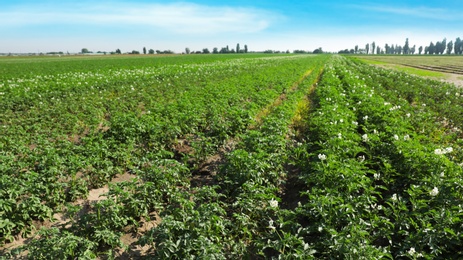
{"x": 273, "y": 203}
{"x": 322, "y": 157}
{"x": 443, "y": 151}
{"x": 434, "y": 192}
{"x": 411, "y": 251}
{"x": 406, "y": 137}
{"x": 394, "y": 197}
{"x": 365, "y": 138}
{"x": 396, "y": 137}
{"x": 270, "y": 225}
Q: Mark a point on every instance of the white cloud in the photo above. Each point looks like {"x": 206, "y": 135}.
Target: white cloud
{"x": 176, "y": 17}
{"x": 418, "y": 12}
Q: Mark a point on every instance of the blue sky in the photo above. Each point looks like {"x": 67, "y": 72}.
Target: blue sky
{"x": 63, "y": 25}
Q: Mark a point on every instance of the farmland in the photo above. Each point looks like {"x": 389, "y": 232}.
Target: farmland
{"x": 228, "y": 157}
{"x": 447, "y": 64}
{"x": 446, "y": 68}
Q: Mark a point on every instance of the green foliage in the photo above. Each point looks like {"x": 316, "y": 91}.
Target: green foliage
{"x": 241, "y": 157}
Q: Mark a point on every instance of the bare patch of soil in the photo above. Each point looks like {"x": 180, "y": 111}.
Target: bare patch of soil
{"x": 210, "y": 167}
{"x": 134, "y": 250}
{"x": 456, "y": 79}
{"x": 60, "y": 219}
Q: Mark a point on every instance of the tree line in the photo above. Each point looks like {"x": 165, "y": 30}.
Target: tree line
{"x": 438, "y": 48}
{"x": 215, "y": 50}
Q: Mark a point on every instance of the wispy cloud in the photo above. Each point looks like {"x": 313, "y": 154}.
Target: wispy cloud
{"x": 176, "y": 17}
{"x": 442, "y": 14}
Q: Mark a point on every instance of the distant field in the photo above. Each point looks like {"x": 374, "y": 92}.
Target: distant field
{"x": 446, "y": 64}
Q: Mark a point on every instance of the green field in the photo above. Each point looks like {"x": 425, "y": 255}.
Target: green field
{"x": 245, "y": 156}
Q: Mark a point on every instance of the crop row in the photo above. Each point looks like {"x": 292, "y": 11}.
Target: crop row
{"x": 377, "y": 185}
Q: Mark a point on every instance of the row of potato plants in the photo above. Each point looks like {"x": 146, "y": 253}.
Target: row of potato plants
{"x": 120, "y": 121}
{"x": 241, "y": 216}
{"x": 378, "y": 185}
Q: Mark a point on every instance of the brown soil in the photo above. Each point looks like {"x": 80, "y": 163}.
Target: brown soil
{"x": 456, "y": 79}
{"x": 61, "y": 219}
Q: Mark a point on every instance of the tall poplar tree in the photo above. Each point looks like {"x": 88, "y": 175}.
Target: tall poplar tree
{"x": 406, "y": 48}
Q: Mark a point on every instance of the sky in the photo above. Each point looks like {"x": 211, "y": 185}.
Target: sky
{"x": 63, "y": 25}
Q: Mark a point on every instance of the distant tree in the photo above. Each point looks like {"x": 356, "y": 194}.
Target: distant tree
{"x": 318, "y": 51}
{"x": 406, "y": 48}
{"x": 118, "y": 51}
{"x": 206, "y": 51}
{"x": 228, "y": 50}
{"x": 431, "y": 48}
{"x": 378, "y": 50}
{"x": 420, "y": 50}
{"x": 85, "y": 50}
{"x": 215, "y": 50}
{"x": 426, "y": 50}
{"x": 458, "y": 46}
{"x": 373, "y": 47}
{"x": 144, "y": 50}
{"x": 356, "y": 50}
{"x": 443, "y": 46}
{"x": 439, "y": 48}
{"x": 399, "y": 49}
{"x": 238, "y": 48}
{"x": 367, "y": 48}
{"x": 187, "y": 50}
{"x": 413, "y": 49}
{"x": 135, "y": 52}
{"x": 158, "y": 51}
{"x": 449, "y": 47}
{"x": 151, "y": 51}
{"x": 245, "y": 48}
{"x": 387, "y": 49}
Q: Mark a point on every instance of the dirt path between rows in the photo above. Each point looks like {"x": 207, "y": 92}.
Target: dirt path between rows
{"x": 94, "y": 195}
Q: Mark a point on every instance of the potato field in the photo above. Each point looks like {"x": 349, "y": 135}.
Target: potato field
{"x": 243, "y": 156}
